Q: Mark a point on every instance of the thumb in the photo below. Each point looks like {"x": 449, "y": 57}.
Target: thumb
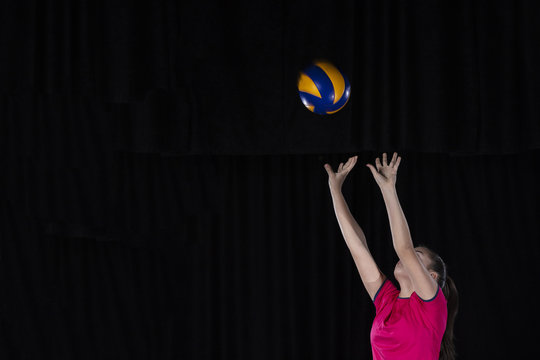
{"x": 373, "y": 170}
{"x": 328, "y": 169}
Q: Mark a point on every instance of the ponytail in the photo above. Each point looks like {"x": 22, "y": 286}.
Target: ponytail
{"x": 448, "y": 351}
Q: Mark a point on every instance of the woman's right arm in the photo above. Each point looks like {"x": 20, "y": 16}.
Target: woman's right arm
{"x": 354, "y": 237}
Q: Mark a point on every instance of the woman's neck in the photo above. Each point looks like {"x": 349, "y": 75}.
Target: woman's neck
{"x": 406, "y": 289}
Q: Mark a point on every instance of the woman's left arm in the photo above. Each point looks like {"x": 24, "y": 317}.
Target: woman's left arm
{"x": 385, "y": 176}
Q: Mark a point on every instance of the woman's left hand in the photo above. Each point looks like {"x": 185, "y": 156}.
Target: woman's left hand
{"x": 385, "y": 174}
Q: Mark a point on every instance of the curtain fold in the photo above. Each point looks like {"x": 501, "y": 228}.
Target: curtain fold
{"x": 456, "y": 77}
{"x": 242, "y": 257}
{"x": 163, "y": 193}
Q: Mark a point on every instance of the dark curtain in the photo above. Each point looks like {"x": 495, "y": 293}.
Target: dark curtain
{"x": 218, "y": 77}
{"x": 163, "y": 191}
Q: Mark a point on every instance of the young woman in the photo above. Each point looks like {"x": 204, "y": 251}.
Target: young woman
{"x": 416, "y": 321}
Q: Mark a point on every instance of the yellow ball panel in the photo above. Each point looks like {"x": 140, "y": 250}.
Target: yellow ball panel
{"x": 307, "y": 85}
{"x": 335, "y": 76}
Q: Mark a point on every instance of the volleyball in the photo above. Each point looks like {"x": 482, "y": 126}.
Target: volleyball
{"x": 323, "y": 88}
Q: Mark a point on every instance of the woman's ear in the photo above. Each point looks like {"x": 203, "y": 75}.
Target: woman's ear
{"x": 434, "y": 275}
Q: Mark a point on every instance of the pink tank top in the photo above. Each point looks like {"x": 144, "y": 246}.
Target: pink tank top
{"x": 407, "y": 328}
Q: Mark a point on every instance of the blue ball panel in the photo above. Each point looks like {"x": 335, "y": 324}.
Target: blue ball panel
{"x": 319, "y": 105}
{"x": 323, "y": 83}
{"x": 344, "y": 97}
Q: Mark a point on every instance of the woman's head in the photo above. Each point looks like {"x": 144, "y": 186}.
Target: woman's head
{"x": 433, "y": 263}
{"x": 437, "y": 269}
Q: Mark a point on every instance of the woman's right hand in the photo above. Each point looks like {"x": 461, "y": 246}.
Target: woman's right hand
{"x": 335, "y": 179}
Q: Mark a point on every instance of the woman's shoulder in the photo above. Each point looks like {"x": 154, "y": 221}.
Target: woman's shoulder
{"x": 438, "y": 298}
{"x": 434, "y": 310}
{"x": 386, "y": 293}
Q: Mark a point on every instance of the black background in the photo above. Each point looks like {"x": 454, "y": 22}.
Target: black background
{"x": 163, "y": 190}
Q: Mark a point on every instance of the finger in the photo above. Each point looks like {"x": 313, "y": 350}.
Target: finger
{"x": 349, "y": 163}
{"x": 392, "y": 163}
{"x": 397, "y": 162}
{"x": 373, "y": 170}
{"x": 340, "y": 167}
{"x": 353, "y": 162}
{"x": 328, "y": 169}
{"x": 384, "y": 159}
{"x": 378, "y": 163}
{"x": 369, "y": 166}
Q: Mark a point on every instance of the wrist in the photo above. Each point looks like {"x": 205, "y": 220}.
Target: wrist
{"x": 388, "y": 189}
